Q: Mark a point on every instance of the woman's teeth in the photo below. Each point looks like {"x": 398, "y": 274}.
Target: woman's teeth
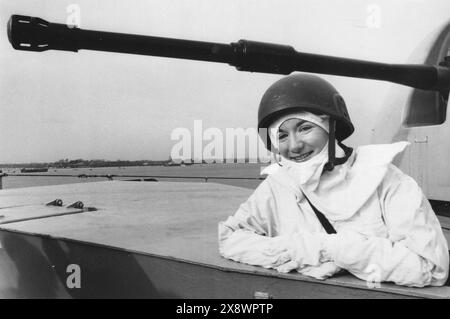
{"x": 301, "y": 157}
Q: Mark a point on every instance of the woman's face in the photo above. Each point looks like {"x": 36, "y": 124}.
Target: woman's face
{"x": 300, "y": 140}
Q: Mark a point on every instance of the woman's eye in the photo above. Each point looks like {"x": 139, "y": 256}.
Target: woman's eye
{"x": 305, "y": 128}
{"x": 282, "y": 136}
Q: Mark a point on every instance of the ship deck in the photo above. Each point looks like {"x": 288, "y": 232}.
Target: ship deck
{"x": 167, "y": 229}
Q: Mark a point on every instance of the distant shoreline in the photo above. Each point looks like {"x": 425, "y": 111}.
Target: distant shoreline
{"x": 115, "y": 164}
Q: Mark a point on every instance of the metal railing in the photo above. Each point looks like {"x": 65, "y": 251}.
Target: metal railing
{"x": 135, "y": 177}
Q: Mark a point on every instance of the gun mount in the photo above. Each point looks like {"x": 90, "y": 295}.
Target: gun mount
{"x": 35, "y": 34}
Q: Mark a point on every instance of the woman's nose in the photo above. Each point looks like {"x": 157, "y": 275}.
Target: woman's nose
{"x": 295, "y": 143}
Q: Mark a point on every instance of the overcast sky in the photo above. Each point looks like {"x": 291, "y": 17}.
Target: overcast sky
{"x": 91, "y": 105}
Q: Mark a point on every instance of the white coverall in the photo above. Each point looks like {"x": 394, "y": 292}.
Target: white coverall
{"x": 386, "y": 228}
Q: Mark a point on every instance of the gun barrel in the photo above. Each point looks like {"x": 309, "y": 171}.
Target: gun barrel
{"x": 35, "y": 34}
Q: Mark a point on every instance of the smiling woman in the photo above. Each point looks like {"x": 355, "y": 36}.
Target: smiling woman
{"x": 325, "y": 209}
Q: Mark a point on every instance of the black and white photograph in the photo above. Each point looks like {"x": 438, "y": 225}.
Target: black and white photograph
{"x": 224, "y": 154}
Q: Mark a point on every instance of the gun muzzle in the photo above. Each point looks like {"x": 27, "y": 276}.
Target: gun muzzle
{"x": 35, "y": 34}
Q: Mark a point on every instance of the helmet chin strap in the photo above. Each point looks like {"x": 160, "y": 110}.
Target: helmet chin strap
{"x": 332, "y": 160}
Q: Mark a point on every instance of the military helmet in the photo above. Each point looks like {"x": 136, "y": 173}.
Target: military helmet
{"x": 304, "y": 92}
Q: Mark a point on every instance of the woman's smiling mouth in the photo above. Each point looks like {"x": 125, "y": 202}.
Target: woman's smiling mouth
{"x": 301, "y": 158}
